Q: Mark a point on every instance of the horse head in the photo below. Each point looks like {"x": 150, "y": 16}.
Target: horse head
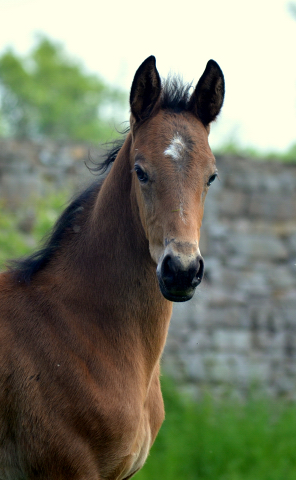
{"x": 173, "y": 167}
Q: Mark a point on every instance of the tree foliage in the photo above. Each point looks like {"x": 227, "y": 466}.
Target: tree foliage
{"x": 49, "y": 95}
{"x": 292, "y": 9}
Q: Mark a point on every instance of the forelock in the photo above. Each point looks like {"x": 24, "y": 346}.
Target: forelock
{"x": 175, "y": 94}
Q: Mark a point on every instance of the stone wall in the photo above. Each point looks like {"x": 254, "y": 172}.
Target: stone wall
{"x": 239, "y": 331}
{"x": 33, "y": 169}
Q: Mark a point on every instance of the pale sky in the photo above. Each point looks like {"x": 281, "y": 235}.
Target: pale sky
{"x": 253, "y": 42}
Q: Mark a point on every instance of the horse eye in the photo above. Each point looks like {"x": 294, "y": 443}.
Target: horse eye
{"x": 211, "y": 179}
{"x": 142, "y": 176}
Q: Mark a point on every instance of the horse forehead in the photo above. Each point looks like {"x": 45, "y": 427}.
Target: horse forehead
{"x": 180, "y": 138}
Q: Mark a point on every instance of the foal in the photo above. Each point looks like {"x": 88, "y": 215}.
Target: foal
{"x": 83, "y": 321}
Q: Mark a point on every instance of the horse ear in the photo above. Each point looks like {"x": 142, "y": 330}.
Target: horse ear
{"x": 207, "y": 98}
{"x": 145, "y": 89}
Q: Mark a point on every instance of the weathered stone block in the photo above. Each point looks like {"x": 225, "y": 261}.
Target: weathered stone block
{"x": 281, "y": 278}
{"x": 257, "y": 247}
{"x": 271, "y": 207}
{"x": 266, "y": 316}
{"x": 232, "y": 203}
{"x": 16, "y": 189}
{"x": 223, "y": 368}
{"x": 269, "y": 342}
{"x": 199, "y": 341}
{"x": 292, "y": 243}
{"x": 227, "y": 297}
{"x": 228, "y": 317}
{"x": 194, "y": 368}
{"x": 258, "y": 372}
{"x": 232, "y": 340}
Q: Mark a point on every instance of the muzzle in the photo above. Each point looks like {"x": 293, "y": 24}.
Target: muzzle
{"x": 179, "y": 275}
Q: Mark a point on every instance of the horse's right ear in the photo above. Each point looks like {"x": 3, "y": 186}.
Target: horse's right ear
{"x": 145, "y": 89}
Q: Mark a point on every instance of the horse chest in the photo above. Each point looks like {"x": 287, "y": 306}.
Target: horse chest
{"x": 135, "y": 436}
{"x": 139, "y": 452}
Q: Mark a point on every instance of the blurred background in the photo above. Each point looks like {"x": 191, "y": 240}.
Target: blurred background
{"x": 229, "y": 367}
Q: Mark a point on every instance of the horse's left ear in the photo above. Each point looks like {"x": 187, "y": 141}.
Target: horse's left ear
{"x": 207, "y": 98}
{"x": 145, "y": 89}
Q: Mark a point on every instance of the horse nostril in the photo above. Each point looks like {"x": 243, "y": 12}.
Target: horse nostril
{"x": 168, "y": 270}
{"x": 199, "y": 274}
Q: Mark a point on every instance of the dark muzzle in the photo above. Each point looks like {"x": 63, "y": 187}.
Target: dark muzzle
{"x": 177, "y": 282}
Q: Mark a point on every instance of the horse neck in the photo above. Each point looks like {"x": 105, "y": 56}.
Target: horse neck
{"x": 116, "y": 235}
{"x": 113, "y": 278}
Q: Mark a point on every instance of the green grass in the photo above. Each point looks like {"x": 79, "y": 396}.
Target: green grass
{"x": 255, "y": 440}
